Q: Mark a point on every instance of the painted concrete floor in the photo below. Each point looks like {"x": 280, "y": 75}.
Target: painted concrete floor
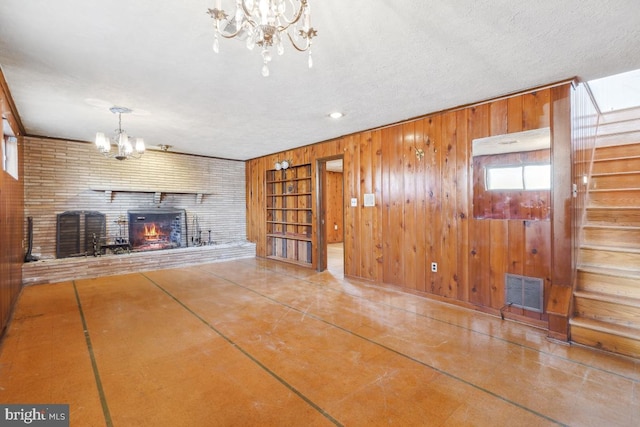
{"x": 253, "y": 342}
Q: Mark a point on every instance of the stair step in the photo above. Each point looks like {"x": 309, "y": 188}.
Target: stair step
{"x": 609, "y": 298}
{"x": 604, "y": 235}
{"x": 618, "y": 125}
{"x": 624, "y": 197}
{"x": 620, "y": 180}
{"x": 617, "y": 116}
{"x": 629, "y": 164}
{"x": 623, "y": 283}
{"x": 609, "y": 256}
{"x": 607, "y": 293}
{"x": 606, "y": 336}
{"x": 618, "y": 138}
{"x": 608, "y": 308}
{"x": 614, "y": 215}
{"x": 617, "y": 151}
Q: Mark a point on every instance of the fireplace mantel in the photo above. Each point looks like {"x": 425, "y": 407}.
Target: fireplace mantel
{"x": 157, "y": 194}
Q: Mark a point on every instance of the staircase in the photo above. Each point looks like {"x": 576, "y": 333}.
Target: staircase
{"x": 607, "y": 293}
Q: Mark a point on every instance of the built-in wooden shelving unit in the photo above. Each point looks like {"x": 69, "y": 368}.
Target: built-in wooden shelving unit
{"x": 289, "y": 213}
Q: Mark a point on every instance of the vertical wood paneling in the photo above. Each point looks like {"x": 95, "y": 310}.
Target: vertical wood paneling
{"x": 538, "y": 253}
{"x": 393, "y": 184}
{"x": 6, "y": 294}
{"x": 498, "y": 126}
{"x": 12, "y": 220}
{"x": 424, "y": 208}
{"x": 514, "y": 114}
{"x": 515, "y": 244}
{"x": 363, "y": 153}
{"x": 421, "y": 206}
{"x": 449, "y": 258}
{"x": 334, "y": 207}
{"x": 434, "y": 201}
{"x": 464, "y": 197}
{"x": 536, "y": 109}
{"x": 479, "y": 274}
{"x": 516, "y": 252}
{"x": 369, "y": 178}
{"x": 499, "y": 235}
{"x": 499, "y": 230}
{"x": 410, "y": 206}
{"x": 351, "y": 165}
{"x": 377, "y": 220}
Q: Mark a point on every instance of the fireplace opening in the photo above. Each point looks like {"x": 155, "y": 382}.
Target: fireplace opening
{"x": 157, "y": 229}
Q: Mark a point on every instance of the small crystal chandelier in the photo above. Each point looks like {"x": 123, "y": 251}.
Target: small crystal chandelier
{"x": 266, "y": 23}
{"x": 120, "y": 139}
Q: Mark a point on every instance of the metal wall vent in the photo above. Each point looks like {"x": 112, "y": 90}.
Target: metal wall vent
{"x": 524, "y": 292}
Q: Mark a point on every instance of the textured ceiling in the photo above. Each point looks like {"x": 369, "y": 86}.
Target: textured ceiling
{"x": 378, "y": 61}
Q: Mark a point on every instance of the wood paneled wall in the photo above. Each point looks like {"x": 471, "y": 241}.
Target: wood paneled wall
{"x": 11, "y": 217}
{"x": 424, "y": 207}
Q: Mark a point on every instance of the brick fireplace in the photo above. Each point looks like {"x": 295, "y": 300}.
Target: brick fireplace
{"x": 206, "y": 194}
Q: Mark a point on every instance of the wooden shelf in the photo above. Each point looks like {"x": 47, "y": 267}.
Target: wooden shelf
{"x": 157, "y": 193}
{"x": 290, "y": 261}
{"x": 290, "y": 236}
{"x": 298, "y": 224}
{"x": 288, "y": 194}
{"x": 277, "y": 181}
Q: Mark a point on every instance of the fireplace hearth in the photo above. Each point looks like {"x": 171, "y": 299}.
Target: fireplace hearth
{"x": 157, "y": 229}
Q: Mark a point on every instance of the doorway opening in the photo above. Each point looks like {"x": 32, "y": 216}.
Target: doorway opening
{"x": 330, "y": 202}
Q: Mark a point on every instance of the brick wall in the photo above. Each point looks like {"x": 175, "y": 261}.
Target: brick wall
{"x": 62, "y": 176}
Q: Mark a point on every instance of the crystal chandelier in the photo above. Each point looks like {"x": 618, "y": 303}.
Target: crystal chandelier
{"x": 266, "y": 23}
{"x": 120, "y": 139}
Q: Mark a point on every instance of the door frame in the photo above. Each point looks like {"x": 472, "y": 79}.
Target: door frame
{"x": 321, "y": 226}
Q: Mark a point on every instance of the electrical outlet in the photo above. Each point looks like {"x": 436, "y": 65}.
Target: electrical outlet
{"x": 434, "y": 267}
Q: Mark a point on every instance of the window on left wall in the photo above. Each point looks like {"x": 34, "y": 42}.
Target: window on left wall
{"x": 9, "y": 150}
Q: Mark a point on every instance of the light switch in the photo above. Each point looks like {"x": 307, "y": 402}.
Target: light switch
{"x": 354, "y": 202}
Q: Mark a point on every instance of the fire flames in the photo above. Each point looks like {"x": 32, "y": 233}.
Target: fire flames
{"x": 150, "y": 231}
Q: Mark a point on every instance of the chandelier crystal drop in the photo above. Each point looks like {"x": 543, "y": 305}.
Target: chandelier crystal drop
{"x": 265, "y": 23}
{"x": 126, "y": 150}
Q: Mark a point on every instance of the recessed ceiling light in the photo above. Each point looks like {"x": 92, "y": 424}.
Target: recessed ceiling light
{"x": 336, "y": 115}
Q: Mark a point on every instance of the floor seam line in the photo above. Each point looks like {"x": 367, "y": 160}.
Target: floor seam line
{"x": 248, "y": 355}
{"x": 94, "y": 363}
{"x": 448, "y": 374}
{"x": 636, "y": 381}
